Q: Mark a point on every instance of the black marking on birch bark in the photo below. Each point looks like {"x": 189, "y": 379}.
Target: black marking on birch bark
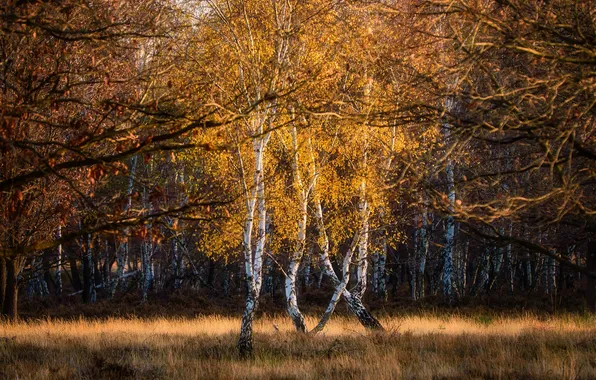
{"x": 364, "y": 316}
{"x": 245, "y": 341}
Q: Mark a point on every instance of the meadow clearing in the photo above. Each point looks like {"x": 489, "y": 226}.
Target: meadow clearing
{"x": 422, "y": 346}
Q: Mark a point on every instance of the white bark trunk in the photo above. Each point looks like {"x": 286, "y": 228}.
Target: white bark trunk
{"x": 296, "y": 257}
{"x": 363, "y": 252}
{"x": 449, "y": 236}
{"x": 122, "y": 251}
{"x": 382, "y": 274}
{"x": 146, "y": 253}
{"x": 253, "y": 265}
{"x": 450, "y": 226}
{"x": 59, "y": 265}
{"x": 307, "y": 274}
{"x": 354, "y": 303}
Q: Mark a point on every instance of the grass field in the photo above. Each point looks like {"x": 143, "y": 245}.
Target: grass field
{"x": 424, "y": 346}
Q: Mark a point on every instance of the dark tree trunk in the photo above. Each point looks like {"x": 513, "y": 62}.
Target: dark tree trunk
{"x": 211, "y": 274}
{"x": 47, "y": 276}
{"x": 591, "y": 282}
{"x": 88, "y": 273}
{"x": 75, "y": 275}
{"x": 9, "y": 309}
{"x": 97, "y": 272}
{"x": 2, "y": 281}
{"x": 87, "y": 278}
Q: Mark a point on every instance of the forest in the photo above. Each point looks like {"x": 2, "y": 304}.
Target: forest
{"x": 367, "y": 179}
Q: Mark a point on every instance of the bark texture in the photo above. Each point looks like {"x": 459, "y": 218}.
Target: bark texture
{"x": 11, "y": 297}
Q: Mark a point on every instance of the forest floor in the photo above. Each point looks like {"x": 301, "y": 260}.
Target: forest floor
{"x": 427, "y": 345}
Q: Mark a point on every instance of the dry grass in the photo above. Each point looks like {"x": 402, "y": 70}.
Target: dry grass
{"x": 413, "y": 347}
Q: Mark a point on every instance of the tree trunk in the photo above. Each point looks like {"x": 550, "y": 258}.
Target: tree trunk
{"x": 47, "y": 280}
{"x": 422, "y": 249}
{"x": 226, "y": 280}
{"x": 268, "y": 277}
{"x": 296, "y": 257}
{"x": 97, "y": 272}
{"x": 497, "y": 263}
{"x": 253, "y": 266}
{"x": 2, "y": 282}
{"x": 121, "y": 258}
{"x": 412, "y": 271}
{"x": 88, "y": 275}
{"x": 450, "y": 222}
{"x": 364, "y": 316}
{"x": 591, "y": 282}
{"x": 362, "y": 267}
{"x": 551, "y": 275}
{"x": 482, "y": 271}
{"x": 375, "y": 273}
{"x": 245, "y": 342}
{"x": 146, "y": 253}
{"x": 211, "y": 272}
{"x": 354, "y": 303}
{"x": 528, "y": 273}
{"x": 307, "y": 270}
{"x": 448, "y": 258}
{"x": 145, "y": 270}
{"x": 123, "y": 247}
{"x": 509, "y": 267}
{"x": 58, "y": 273}
{"x": 291, "y": 297}
{"x": 74, "y": 274}
{"x": 382, "y": 290}
{"x": 9, "y": 309}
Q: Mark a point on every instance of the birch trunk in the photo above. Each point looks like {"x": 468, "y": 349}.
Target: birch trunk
{"x": 268, "y": 277}
{"x": 253, "y": 265}
{"x": 459, "y": 266}
{"x": 509, "y": 266}
{"x": 146, "y": 278}
{"x": 340, "y": 286}
{"x": 307, "y": 270}
{"x": 422, "y": 248}
{"x": 146, "y": 253}
{"x": 379, "y": 259}
{"x": 354, "y": 303}
{"x": 291, "y": 275}
{"x": 449, "y": 235}
{"x": 123, "y": 248}
{"x": 59, "y": 266}
{"x": 362, "y": 270}
{"x": 296, "y": 258}
{"x": 463, "y": 275}
{"x": 375, "y": 273}
{"x": 175, "y": 264}
{"x": 382, "y": 274}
